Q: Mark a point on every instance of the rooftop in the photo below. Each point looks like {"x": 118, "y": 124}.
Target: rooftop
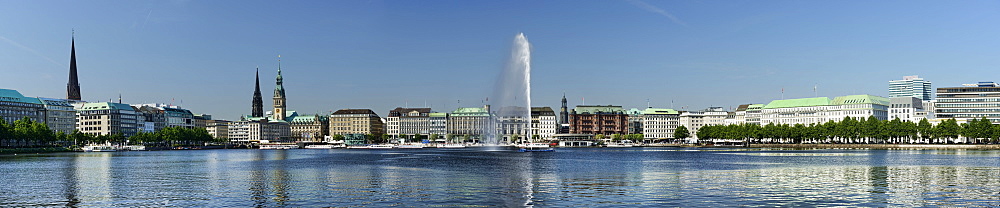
{"x": 801, "y": 102}
{"x": 105, "y": 106}
{"x": 659, "y": 111}
{"x": 14, "y": 96}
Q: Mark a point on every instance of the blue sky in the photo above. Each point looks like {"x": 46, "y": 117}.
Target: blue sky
{"x": 384, "y": 54}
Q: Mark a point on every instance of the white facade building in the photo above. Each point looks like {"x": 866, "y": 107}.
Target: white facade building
{"x": 107, "y": 118}
{"x": 60, "y": 114}
{"x": 543, "y": 123}
{"x": 821, "y": 109}
{"x": 907, "y": 109}
{"x": 659, "y": 123}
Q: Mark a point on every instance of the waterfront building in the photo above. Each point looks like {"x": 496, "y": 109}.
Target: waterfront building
{"x": 822, "y": 109}
{"x": 73, "y": 86}
{"x": 911, "y": 86}
{"x": 907, "y": 109}
{"x": 165, "y": 115}
{"x": 635, "y": 121}
{"x": 60, "y": 115}
{"x": 107, "y": 118}
{"x": 438, "y": 125}
{"x": 14, "y": 106}
{"x": 597, "y": 119}
{"x": 219, "y": 129}
{"x": 310, "y": 128}
{"x": 255, "y": 130}
{"x": 659, "y": 123}
{"x": 739, "y": 116}
{"x": 969, "y": 101}
{"x": 543, "y": 123}
{"x": 715, "y": 116}
{"x": 408, "y": 122}
{"x": 469, "y": 123}
{"x": 693, "y": 121}
{"x": 753, "y": 113}
{"x": 513, "y": 128}
{"x": 355, "y": 121}
{"x": 201, "y": 120}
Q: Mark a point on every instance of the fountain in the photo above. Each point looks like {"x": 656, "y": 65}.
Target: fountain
{"x": 511, "y": 103}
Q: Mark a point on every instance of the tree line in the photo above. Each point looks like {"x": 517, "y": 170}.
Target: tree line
{"x": 859, "y": 131}
{"x": 28, "y": 133}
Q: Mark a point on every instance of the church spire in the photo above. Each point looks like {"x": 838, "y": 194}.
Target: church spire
{"x": 258, "y": 102}
{"x": 73, "y": 87}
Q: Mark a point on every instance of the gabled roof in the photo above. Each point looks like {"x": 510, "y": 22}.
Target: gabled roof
{"x": 801, "y": 102}
{"x": 860, "y": 99}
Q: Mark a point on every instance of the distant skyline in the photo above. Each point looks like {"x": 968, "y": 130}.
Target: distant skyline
{"x": 202, "y": 55}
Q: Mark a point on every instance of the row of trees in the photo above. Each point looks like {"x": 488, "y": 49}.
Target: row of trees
{"x": 28, "y": 133}
{"x": 858, "y": 131}
{"x": 173, "y": 136}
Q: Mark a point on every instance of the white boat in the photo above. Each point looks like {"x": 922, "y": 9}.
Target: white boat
{"x": 536, "y": 147}
{"x": 358, "y": 147}
{"x": 99, "y": 148}
{"x": 452, "y": 145}
{"x": 619, "y": 145}
{"x": 410, "y": 146}
{"x": 380, "y": 146}
{"x": 321, "y": 146}
{"x": 279, "y": 146}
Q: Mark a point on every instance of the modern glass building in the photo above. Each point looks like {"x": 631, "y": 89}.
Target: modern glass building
{"x": 970, "y": 101}
{"x": 910, "y": 86}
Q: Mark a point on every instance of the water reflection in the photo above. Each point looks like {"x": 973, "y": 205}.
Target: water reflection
{"x": 566, "y": 178}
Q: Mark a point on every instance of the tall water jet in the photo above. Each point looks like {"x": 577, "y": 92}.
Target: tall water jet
{"x": 511, "y": 103}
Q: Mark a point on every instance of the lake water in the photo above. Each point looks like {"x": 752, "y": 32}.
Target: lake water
{"x": 569, "y": 177}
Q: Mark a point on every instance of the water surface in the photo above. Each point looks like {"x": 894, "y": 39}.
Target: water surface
{"x": 593, "y": 177}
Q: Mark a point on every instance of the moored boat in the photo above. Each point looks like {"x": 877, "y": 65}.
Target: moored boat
{"x": 321, "y": 146}
{"x": 410, "y": 146}
{"x": 536, "y": 147}
{"x": 99, "y": 148}
{"x": 451, "y": 145}
{"x": 279, "y": 146}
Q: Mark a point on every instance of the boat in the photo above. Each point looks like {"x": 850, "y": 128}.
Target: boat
{"x": 358, "y": 147}
{"x": 279, "y": 146}
{"x": 451, "y": 145}
{"x": 380, "y": 146}
{"x": 619, "y": 145}
{"x": 321, "y": 146}
{"x": 536, "y": 147}
{"x": 410, "y": 146}
{"x": 100, "y": 148}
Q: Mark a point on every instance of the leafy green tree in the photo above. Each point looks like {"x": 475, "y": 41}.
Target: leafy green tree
{"x": 925, "y": 129}
{"x": 681, "y": 132}
{"x": 948, "y": 130}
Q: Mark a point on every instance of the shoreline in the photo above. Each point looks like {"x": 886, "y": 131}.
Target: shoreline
{"x": 879, "y": 146}
{"x": 16, "y": 151}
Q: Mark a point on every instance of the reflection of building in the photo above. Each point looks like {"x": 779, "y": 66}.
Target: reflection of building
{"x": 911, "y": 86}
{"x": 659, "y": 123}
{"x": 355, "y": 121}
{"x": 60, "y": 114}
{"x": 408, "y": 121}
{"x": 468, "y": 122}
{"x": 14, "y": 106}
{"x": 107, "y": 118}
{"x": 543, "y": 122}
{"x": 595, "y": 119}
{"x": 970, "y": 101}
